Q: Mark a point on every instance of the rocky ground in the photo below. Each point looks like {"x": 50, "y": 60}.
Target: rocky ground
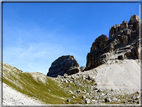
{"x": 89, "y": 91}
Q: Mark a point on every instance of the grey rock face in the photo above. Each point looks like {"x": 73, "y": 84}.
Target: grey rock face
{"x": 123, "y": 43}
{"x": 63, "y": 65}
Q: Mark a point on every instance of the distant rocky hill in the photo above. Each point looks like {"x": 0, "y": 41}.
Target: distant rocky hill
{"x": 123, "y": 43}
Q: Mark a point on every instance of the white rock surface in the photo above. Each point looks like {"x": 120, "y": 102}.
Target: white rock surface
{"x": 12, "y": 97}
{"x": 120, "y": 75}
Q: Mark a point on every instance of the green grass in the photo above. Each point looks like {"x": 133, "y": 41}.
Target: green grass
{"x": 50, "y": 92}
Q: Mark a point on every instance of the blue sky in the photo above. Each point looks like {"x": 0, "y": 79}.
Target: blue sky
{"x": 36, "y": 34}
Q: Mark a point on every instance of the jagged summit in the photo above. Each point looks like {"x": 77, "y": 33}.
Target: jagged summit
{"x": 123, "y": 43}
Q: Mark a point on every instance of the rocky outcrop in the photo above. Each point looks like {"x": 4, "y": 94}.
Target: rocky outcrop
{"x": 82, "y": 69}
{"x": 63, "y": 65}
{"x": 123, "y": 42}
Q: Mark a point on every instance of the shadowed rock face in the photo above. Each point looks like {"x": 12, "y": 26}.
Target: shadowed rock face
{"x": 63, "y": 65}
{"x": 123, "y": 43}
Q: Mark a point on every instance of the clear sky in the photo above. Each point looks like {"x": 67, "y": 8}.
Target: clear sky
{"x": 36, "y": 34}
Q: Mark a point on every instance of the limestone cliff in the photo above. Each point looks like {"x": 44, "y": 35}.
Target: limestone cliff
{"x": 123, "y": 43}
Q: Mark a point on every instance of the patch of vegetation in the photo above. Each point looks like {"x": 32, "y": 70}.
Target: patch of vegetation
{"x": 50, "y": 92}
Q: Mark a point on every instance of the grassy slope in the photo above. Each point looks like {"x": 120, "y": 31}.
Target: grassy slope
{"x": 48, "y": 92}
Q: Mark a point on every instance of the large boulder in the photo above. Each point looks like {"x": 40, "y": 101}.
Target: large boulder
{"x": 63, "y": 65}
{"x": 123, "y": 42}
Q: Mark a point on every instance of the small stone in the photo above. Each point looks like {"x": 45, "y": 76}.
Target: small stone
{"x": 62, "y": 80}
{"x": 68, "y": 100}
{"x": 114, "y": 99}
{"x": 102, "y": 94}
{"x": 124, "y": 102}
{"x": 70, "y": 91}
{"x": 95, "y": 83}
{"x": 87, "y": 101}
{"x": 72, "y": 77}
{"x": 137, "y": 102}
{"x": 94, "y": 101}
{"x": 87, "y": 94}
{"x": 78, "y": 91}
{"x": 84, "y": 90}
{"x": 65, "y": 75}
{"x": 73, "y": 96}
{"x": 68, "y": 81}
{"x": 137, "y": 92}
{"x": 92, "y": 88}
{"x": 91, "y": 78}
{"x": 59, "y": 76}
{"x": 101, "y": 101}
{"x": 107, "y": 99}
{"x": 65, "y": 81}
{"x": 77, "y": 74}
{"x": 130, "y": 100}
{"x": 99, "y": 90}
{"x": 96, "y": 97}
{"x": 83, "y": 96}
{"x": 138, "y": 97}
{"x": 82, "y": 68}
{"x": 77, "y": 85}
{"x": 63, "y": 102}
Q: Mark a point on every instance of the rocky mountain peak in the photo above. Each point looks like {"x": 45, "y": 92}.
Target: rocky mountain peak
{"x": 123, "y": 43}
